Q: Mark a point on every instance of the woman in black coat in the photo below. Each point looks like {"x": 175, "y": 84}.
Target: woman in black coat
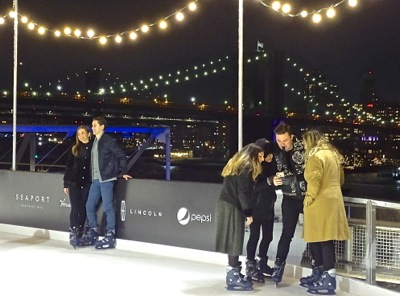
{"x": 77, "y": 180}
{"x": 263, "y": 202}
{"x": 234, "y": 210}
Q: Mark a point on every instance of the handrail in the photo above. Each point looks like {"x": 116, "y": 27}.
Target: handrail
{"x": 378, "y": 203}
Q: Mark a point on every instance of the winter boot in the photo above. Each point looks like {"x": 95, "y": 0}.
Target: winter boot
{"x": 253, "y": 272}
{"x": 279, "y": 268}
{"x": 107, "y": 242}
{"x": 326, "y": 285}
{"x": 73, "y": 237}
{"x": 89, "y": 239}
{"x": 234, "y": 282}
{"x": 310, "y": 279}
{"x": 263, "y": 266}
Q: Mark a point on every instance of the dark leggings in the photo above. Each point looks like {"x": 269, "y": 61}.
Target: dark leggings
{"x": 323, "y": 254}
{"x": 78, "y": 196}
{"x": 291, "y": 208}
{"x": 233, "y": 261}
{"x": 267, "y": 227}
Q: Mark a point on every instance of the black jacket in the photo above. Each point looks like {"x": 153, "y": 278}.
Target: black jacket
{"x": 291, "y": 163}
{"x": 264, "y": 195}
{"x": 112, "y": 159}
{"x": 77, "y": 168}
{"x": 237, "y": 191}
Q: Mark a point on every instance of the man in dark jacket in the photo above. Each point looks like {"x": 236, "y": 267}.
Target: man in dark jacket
{"x": 108, "y": 162}
{"x": 289, "y": 156}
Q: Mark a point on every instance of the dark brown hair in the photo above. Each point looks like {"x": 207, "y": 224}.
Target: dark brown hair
{"x": 283, "y": 128}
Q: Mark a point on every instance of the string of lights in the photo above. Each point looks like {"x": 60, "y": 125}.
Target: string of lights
{"x": 212, "y": 67}
{"x": 316, "y": 14}
{"x": 119, "y": 37}
{"x": 114, "y": 85}
{"x": 78, "y": 33}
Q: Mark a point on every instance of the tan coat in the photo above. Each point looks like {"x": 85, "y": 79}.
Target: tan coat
{"x": 324, "y": 213}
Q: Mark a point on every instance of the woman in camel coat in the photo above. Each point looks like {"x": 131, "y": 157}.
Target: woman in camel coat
{"x": 324, "y": 213}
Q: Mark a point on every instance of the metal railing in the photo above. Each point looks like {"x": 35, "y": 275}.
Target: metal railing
{"x": 373, "y": 250}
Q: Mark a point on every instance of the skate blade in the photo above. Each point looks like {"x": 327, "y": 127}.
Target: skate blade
{"x": 258, "y": 280}
{"x": 321, "y": 292}
{"x": 239, "y": 289}
{"x": 104, "y": 247}
{"x": 276, "y": 281}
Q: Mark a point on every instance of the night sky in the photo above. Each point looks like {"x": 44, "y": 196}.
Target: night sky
{"x": 358, "y": 40}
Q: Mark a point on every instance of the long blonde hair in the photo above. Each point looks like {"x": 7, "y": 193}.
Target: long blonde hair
{"x": 78, "y": 144}
{"x": 245, "y": 159}
{"x": 313, "y": 141}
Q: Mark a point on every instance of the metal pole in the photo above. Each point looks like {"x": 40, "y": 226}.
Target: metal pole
{"x": 370, "y": 243}
{"x": 168, "y": 155}
{"x": 14, "y": 152}
{"x": 240, "y": 77}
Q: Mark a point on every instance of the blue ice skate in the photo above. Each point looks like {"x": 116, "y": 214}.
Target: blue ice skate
{"x": 310, "y": 279}
{"x": 235, "y": 282}
{"x": 326, "y": 285}
{"x": 108, "y": 242}
{"x": 279, "y": 268}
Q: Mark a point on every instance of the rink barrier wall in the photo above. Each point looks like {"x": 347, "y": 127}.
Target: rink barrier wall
{"x": 170, "y": 213}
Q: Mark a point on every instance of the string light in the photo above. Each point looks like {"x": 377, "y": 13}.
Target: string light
{"x": 102, "y": 39}
{"x": 213, "y": 67}
{"x": 316, "y": 15}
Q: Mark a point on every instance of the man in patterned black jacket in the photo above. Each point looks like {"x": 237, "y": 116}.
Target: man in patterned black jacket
{"x": 289, "y": 155}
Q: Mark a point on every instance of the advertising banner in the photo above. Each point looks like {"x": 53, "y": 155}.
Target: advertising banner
{"x": 164, "y": 212}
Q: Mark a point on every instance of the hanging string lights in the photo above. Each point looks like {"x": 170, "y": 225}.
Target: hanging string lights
{"x": 316, "y": 14}
{"x": 90, "y": 34}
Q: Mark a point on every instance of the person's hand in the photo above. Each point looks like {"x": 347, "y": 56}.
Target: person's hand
{"x": 277, "y": 181}
{"x": 307, "y": 202}
{"x": 66, "y": 191}
{"x": 249, "y": 220}
{"x": 126, "y": 177}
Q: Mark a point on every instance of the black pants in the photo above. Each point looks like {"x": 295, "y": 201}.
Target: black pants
{"x": 291, "y": 209}
{"x": 78, "y": 196}
{"x": 267, "y": 227}
{"x": 323, "y": 254}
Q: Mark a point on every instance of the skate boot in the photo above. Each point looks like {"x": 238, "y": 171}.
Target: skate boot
{"x": 89, "y": 239}
{"x": 264, "y": 268}
{"x": 326, "y": 285}
{"x": 279, "y": 268}
{"x": 80, "y": 231}
{"x": 309, "y": 280}
{"x": 234, "y": 282}
{"x": 73, "y": 237}
{"x": 253, "y": 272}
{"x": 107, "y": 242}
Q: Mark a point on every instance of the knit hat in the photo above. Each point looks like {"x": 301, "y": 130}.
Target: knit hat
{"x": 265, "y": 145}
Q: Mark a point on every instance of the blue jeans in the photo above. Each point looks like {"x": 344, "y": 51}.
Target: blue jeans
{"x": 103, "y": 191}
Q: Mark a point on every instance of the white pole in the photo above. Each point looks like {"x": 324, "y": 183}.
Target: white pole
{"x": 240, "y": 77}
{"x": 14, "y": 152}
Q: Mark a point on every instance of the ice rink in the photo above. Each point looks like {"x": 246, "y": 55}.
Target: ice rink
{"x": 43, "y": 263}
